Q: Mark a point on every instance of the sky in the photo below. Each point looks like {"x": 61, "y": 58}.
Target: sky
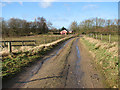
{"x": 60, "y": 13}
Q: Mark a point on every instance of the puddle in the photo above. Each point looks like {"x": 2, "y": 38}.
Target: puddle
{"x": 79, "y": 73}
{"x": 77, "y": 50}
{"x": 78, "y": 54}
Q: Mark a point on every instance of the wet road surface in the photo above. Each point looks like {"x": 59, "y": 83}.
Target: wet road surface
{"x": 67, "y": 66}
{"x": 74, "y": 73}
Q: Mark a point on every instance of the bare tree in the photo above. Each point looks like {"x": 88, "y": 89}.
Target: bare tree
{"x": 74, "y": 26}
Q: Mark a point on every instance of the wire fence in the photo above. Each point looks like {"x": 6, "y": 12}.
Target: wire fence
{"x": 107, "y": 38}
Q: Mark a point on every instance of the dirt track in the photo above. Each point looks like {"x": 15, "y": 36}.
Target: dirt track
{"x": 67, "y": 66}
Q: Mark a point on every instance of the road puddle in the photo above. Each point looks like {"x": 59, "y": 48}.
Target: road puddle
{"x": 78, "y": 54}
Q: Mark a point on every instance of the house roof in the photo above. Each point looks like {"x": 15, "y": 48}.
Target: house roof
{"x": 65, "y": 30}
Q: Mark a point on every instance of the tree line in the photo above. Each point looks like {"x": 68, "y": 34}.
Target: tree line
{"x": 20, "y": 27}
{"x": 95, "y": 25}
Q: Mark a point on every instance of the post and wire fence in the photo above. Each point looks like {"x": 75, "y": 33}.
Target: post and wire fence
{"x": 105, "y": 37}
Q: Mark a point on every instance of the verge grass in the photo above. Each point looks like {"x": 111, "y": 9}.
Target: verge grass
{"x": 106, "y": 62}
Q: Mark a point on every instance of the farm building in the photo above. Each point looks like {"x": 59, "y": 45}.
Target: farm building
{"x": 70, "y": 32}
{"x": 63, "y": 32}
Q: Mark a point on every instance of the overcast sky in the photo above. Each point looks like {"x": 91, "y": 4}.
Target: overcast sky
{"x": 60, "y": 13}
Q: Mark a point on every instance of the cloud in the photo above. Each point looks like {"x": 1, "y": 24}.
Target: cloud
{"x": 89, "y": 6}
{"x": 21, "y": 3}
{"x": 60, "y": 0}
{"x": 3, "y": 5}
{"x": 46, "y": 3}
{"x": 6, "y": 0}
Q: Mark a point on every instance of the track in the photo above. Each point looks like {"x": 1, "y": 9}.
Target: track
{"x": 67, "y": 66}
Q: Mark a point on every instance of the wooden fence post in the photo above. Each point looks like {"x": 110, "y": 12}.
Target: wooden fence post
{"x": 35, "y": 42}
{"x": 109, "y": 38}
{"x": 9, "y": 47}
{"x": 4, "y": 44}
{"x": 96, "y": 36}
{"x": 101, "y": 36}
{"x": 22, "y": 43}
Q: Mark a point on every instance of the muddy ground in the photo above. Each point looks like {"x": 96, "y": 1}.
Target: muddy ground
{"x": 68, "y": 65}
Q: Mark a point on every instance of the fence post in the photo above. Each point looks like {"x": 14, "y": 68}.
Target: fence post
{"x": 109, "y": 38}
{"x": 9, "y": 47}
{"x": 35, "y": 42}
{"x": 22, "y": 43}
{"x": 4, "y": 43}
{"x": 101, "y": 36}
{"x": 96, "y": 36}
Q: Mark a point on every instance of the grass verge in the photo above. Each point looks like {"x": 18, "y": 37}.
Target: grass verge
{"x": 106, "y": 63}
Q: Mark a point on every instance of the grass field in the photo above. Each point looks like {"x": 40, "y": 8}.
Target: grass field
{"x": 40, "y": 39}
{"x": 113, "y": 38}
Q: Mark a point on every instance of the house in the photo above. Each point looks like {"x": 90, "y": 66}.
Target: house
{"x": 64, "y": 32}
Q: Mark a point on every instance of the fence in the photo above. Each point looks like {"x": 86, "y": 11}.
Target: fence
{"x": 9, "y": 44}
{"x": 37, "y": 41}
{"x": 107, "y": 38}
